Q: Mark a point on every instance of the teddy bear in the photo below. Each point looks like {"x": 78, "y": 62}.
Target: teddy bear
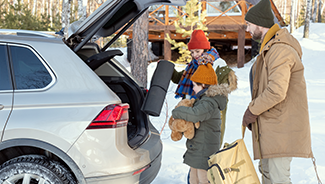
{"x": 180, "y": 126}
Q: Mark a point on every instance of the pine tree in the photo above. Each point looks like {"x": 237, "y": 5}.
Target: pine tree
{"x": 194, "y": 19}
{"x": 19, "y": 16}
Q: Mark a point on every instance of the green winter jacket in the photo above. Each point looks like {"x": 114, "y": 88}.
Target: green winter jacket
{"x": 206, "y": 109}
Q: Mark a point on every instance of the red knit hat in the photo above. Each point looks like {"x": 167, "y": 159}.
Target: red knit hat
{"x": 198, "y": 40}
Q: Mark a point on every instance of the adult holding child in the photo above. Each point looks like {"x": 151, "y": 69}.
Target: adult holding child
{"x": 278, "y": 112}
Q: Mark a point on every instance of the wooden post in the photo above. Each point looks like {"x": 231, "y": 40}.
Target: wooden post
{"x": 244, "y": 10}
{"x": 204, "y": 5}
{"x": 167, "y": 46}
{"x": 241, "y": 48}
{"x": 166, "y": 15}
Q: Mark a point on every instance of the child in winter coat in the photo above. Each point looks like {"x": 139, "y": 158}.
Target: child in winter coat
{"x": 199, "y": 47}
{"x": 211, "y": 98}
{"x": 200, "y": 51}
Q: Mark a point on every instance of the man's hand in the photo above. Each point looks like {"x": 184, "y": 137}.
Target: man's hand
{"x": 248, "y": 119}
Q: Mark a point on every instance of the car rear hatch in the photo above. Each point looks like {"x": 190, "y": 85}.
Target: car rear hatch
{"x": 115, "y": 16}
{"x": 111, "y": 17}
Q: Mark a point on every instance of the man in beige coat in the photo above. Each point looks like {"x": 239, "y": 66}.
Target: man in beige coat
{"x": 278, "y": 113}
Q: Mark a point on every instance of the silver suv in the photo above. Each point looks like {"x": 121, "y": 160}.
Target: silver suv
{"x": 70, "y": 113}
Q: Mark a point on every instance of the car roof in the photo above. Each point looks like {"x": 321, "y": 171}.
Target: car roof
{"x": 12, "y": 35}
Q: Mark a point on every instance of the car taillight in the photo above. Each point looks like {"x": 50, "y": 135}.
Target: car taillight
{"x": 141, "y": 170}
{"x": 112, "y": 116}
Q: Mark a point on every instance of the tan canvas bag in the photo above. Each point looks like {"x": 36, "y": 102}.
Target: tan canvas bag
{"x": 232, "y": 165}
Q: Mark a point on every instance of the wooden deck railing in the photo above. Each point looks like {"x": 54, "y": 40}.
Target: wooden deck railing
{"x": 161, "y": 15}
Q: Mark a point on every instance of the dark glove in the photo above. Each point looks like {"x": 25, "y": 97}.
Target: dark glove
{"x": 176, "y": 76}
{"x": 248, "y": 119}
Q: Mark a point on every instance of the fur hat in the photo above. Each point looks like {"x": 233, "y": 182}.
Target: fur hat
{"x": 205, "y": 75}
{"x": 261, "y": 14}
{"x": 198, "y": 40}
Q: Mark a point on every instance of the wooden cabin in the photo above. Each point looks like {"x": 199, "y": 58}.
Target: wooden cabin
{"x": 225, "y": 22}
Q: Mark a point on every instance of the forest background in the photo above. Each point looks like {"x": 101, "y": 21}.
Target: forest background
{"x": 53, "y": 15}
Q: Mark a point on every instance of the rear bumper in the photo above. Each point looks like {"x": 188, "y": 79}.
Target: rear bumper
{"x": 145, "y": 177}
{"x": 150, "y": 174}
{"x": 105, "y": 162}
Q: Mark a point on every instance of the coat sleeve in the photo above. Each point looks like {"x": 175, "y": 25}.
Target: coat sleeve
{"x": 176, "y": 77}
{"x": 202, "y": 111}
{"x": 279, "y": 61}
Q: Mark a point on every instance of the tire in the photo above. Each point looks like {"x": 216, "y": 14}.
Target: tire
{"x": 34, "y": 169}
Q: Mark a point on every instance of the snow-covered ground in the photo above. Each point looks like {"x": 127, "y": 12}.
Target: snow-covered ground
{"x": 173, "y": 171}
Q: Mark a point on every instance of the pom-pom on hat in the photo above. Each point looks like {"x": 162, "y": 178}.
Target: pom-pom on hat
{"x": 198, "y": 40}
{"x": 261, "y": 14}
{"x": 205, "y": 74}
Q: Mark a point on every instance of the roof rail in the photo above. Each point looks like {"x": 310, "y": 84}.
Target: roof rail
{"x": 24, "y": 33}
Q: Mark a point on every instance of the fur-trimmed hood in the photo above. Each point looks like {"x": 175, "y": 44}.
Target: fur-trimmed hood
{"x": 224, "y": 88}
{"x": 220, "y": 89}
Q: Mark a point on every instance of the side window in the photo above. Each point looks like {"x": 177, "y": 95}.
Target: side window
{"x": 5, "y": 82}
{"x": 29, "y": 71}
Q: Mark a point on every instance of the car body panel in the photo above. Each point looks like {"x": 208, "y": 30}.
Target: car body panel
{"x": 6, "y": 89}
{"x": 125, "y": 160}
{"x": 5, "y": 109}
{"x": 85, "y": 95}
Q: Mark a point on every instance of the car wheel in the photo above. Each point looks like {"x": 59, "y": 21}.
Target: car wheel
{"x": 34, "y": 169}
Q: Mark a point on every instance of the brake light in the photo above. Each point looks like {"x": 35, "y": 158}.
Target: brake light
{"x": 112, "y": 116}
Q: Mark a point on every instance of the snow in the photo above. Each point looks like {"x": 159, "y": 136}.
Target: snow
{"x": 173, "y": 171}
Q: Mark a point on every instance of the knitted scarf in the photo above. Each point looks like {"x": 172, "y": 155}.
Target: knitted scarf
{"x": 185, "y": 85}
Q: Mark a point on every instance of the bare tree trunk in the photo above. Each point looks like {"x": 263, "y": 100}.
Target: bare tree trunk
{"x": 48, "y": 7}
{"x": 73, "y": 8}
{"x": 65, "y": 15}
{"x": 51, "y": 12}
{"x": 314, "y": 11}
{"x": 81, "y": 10}
{"x": 307, "y": 20}
{"x": 58, "y": 11}
{"x": 140, "y": 52}
{"x": 42, "y": 8}
{"x": 34, "y": 7}
{"x": 292, "y": 17}
{"x": 285, "y": 9}
{"x": 297, "y": 8}
{"x": 88, "y": 7}
{"x": 320, "y": 11}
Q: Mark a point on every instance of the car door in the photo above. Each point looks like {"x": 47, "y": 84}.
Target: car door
{"x": 6, "y": 89}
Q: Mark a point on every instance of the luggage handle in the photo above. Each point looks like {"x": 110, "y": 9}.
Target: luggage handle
{"x": 243, "y": 129}
{"x": 234, "y": 167}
